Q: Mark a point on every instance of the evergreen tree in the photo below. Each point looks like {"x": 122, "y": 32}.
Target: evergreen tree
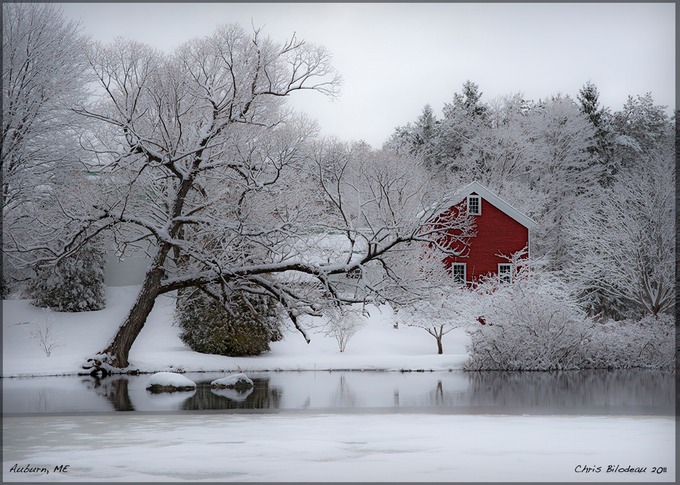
{"x": 601, "y": 146}
{"x": 425, "y": 134}
{"x": 464, "y": 120}
{"x": 641, "y": 129}
{"x": 418, "y": 139}
{"x": 589, "y": 98}
{"x": 469, "y": 100}
{"x": 74, "y": 284}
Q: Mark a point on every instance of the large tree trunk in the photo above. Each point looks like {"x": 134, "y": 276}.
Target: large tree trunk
{"x": 116, "y": 354}
{"x": 119, "y": 349}
{"x": 438, "y": 334}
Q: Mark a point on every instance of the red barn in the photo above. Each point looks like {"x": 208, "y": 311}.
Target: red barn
{"x": 501, "y": 229}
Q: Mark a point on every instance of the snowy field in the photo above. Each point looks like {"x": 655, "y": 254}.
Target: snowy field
{"x": 158, "y": 348}
{"x": 323, "y": 447}
{"x": 297, "y": 446}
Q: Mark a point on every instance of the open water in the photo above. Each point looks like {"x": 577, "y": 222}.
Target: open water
{"x": 631, "y": 392}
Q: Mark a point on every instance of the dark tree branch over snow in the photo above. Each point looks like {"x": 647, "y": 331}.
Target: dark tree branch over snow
{"x": 199, "y": 158}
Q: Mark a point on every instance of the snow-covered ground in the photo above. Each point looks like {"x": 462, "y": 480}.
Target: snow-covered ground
{"x": 293, "y": 446}
{"x": 338, "y": 447}
{"x": 158, "y": 348}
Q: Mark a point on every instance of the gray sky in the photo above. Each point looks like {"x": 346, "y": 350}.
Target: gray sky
{"x": 396, "y": 57}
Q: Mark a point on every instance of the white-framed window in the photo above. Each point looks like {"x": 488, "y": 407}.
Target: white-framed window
{"x": 474, "y": 205}
{"x": 458, "y": 273}
{"x": 504, "y": 273}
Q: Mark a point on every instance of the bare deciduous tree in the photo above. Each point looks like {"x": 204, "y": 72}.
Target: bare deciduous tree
{"x": 342, "y": 325}
{"x": 43, "y": 77}
{"x": 200, "y": 160}
{"x": 629, "y": 242}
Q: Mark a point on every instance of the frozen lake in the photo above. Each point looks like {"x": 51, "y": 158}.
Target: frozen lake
{"x": 345, "y": 426}
{"x": 633, "y": 392}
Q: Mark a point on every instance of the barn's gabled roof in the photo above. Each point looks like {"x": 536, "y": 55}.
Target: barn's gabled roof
{"x": 477, "y": 188}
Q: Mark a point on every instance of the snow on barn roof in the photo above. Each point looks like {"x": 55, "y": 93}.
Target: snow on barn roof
{"x": 477, "y": 188}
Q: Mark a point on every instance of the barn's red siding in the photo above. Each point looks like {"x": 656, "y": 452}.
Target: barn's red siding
{"x": 497, "y": 233}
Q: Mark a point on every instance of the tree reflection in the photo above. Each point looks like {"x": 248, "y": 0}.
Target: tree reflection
{"x": 574, "y": 390}
{"x": 261, "y": 396}
{"x": 114, "y": 389}
{"x": 344, "y": 396}
{"x": 633, "y": 391}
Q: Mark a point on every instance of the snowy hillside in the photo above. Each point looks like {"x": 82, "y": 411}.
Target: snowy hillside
{"x": 76, "y": 336}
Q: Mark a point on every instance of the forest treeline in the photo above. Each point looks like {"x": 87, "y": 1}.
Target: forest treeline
{"x": 601, "y": 183}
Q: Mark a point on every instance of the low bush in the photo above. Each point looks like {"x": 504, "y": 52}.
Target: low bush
{"x": 245, "y": 329}
{"x": 535, "y": 324}
{"x": 645, "y": 343}
{"x": 529, "y": 332}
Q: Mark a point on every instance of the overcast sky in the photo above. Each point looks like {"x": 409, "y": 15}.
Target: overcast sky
{"x": 396, "y": 57}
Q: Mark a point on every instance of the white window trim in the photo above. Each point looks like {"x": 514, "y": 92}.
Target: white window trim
{"x": 479, "y": 205}
{"x": 464, "y": 265}
{"x": 500, "y": 280}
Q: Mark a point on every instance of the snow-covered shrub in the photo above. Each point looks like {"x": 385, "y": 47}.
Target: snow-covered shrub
{"x": 445, "y": 309}
{"x": 531, "y": 324}
{"x": 536, "y": 324}
{"x": 246, "y": 328}
{"x": 74, "y": 284}
{"x": 342, "y": 325}
{"x": 647, "y": 343}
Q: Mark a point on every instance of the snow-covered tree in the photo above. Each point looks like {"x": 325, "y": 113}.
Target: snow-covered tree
{"x": 200, "y": 158}
{"x": 601, "y": 149}
{"x": 464, "y": 119}
{"x": 504, "y": 148}
{"x": 561, "y": 175}
{"x": 378, "y": 197}
{"x": 640, "y": 128}
{"x": 74, "y": 284}
{"x": 419, "y": 138}
{"x": 627, "y": 248}
{"x": 43, "y": 77}
{"x": 446, "y": 308}
{"x": 342, "y": 324}
{"x": 589, "y": 100}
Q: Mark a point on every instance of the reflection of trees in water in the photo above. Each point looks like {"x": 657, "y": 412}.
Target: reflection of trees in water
{"x": 344, "y": 397}
{"x": 44, "y": 398}
{"x": 648, "y": 391}
{"x": 439, "y": 393}
{"x": 114, "y": 389}
{"x": 261, "y": 397}
{"x": 592, "y": 388}
{"x": 441, "y": 397}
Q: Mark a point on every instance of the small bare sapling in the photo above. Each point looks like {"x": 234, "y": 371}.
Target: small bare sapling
{"x": 342, "y": 325}
{"x": 45, "y": 335}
